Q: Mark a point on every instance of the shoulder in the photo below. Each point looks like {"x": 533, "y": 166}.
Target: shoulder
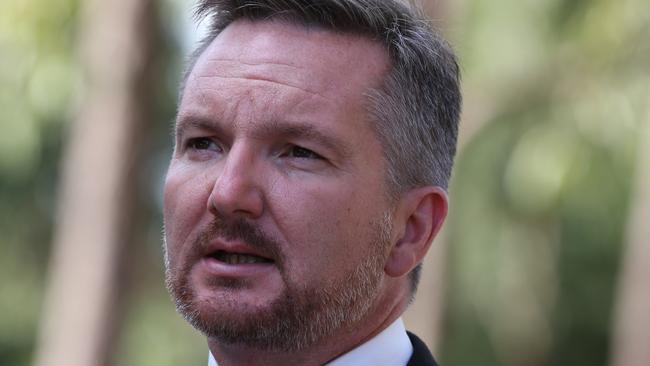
{"x": 421, "y": 354}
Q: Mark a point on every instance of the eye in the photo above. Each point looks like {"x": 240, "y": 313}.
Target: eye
{"x": 302, "y": 153}
{"x": 202, "y": 143}
{"x": 202, "y": 149}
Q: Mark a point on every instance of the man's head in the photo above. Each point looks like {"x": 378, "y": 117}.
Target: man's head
{"x": 314, "y": 141}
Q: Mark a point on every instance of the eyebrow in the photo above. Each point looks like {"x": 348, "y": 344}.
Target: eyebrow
{"x": 183, "y": 124}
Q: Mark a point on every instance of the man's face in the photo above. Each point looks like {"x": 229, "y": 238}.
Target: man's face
{"x": 277, "y": 222}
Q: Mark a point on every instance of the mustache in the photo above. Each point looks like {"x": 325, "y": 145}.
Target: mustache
{"x": 240, "y": 230}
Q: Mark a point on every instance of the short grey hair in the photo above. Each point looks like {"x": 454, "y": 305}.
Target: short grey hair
{"x": 416, "y": 111}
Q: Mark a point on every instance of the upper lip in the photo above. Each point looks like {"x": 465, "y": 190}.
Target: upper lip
{"x": 238, "y": 247}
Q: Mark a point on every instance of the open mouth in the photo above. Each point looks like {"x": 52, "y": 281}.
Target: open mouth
{"x": 238, "y": 258}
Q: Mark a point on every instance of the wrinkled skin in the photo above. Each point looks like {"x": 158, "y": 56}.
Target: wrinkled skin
{"x": 276, "y": 157}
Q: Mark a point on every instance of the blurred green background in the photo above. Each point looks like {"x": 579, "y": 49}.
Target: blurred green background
{"x": 556, "y": 96}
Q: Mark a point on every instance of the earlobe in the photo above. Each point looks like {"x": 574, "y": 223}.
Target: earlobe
{"x": 420, "y": 215}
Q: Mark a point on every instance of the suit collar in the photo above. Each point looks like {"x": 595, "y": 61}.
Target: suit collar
{"x": 421, "y": 354}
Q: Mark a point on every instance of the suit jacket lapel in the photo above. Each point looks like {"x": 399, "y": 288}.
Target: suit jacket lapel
{"x": 421, "y": 354}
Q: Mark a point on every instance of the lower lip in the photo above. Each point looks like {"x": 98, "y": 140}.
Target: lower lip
{"x": 218, "y": 268}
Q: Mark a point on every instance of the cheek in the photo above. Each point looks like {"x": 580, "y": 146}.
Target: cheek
{"x": 322, "y": 224}
{"x": 184, "y": 204}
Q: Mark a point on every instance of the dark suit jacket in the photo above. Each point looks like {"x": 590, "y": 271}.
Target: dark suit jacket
{"x": 421, "y": 354}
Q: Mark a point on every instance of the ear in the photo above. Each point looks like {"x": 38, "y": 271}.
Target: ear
{"x": 418, "y": 218}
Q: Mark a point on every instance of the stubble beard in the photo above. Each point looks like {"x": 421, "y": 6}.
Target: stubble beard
{"x": 300, "y": 316}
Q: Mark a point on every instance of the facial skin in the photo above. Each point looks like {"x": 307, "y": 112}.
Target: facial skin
{"x": 275, "y": 157}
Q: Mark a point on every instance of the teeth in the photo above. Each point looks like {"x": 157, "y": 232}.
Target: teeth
{"x": 232, "y": 258}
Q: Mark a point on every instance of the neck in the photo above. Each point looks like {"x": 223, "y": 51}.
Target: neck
{"x": 327, "y": 349}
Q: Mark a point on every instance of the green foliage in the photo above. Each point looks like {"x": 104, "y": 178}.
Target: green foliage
{"x": 540, "y": 196}
{"x": 36, "y": 82}
{"x": 40, "y": 89}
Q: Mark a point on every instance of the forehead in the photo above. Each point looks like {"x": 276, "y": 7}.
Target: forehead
{"x": 318, "y": 61}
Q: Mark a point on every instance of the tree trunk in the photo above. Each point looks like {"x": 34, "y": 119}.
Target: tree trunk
{"x": 631, "y": 342}
{"x": 97, "y": 191}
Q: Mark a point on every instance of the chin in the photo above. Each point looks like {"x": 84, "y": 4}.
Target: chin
{"x": 231, "y": 320}
{"x": 292, "y": 317}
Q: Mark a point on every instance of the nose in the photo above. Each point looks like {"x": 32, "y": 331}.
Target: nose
{"x": 237, "y": 192}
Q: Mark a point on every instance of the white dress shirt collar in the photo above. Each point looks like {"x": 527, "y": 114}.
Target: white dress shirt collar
{"x": 391, "y": 347}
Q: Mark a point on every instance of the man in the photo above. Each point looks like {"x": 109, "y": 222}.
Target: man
{"x": 314, "y": 142}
